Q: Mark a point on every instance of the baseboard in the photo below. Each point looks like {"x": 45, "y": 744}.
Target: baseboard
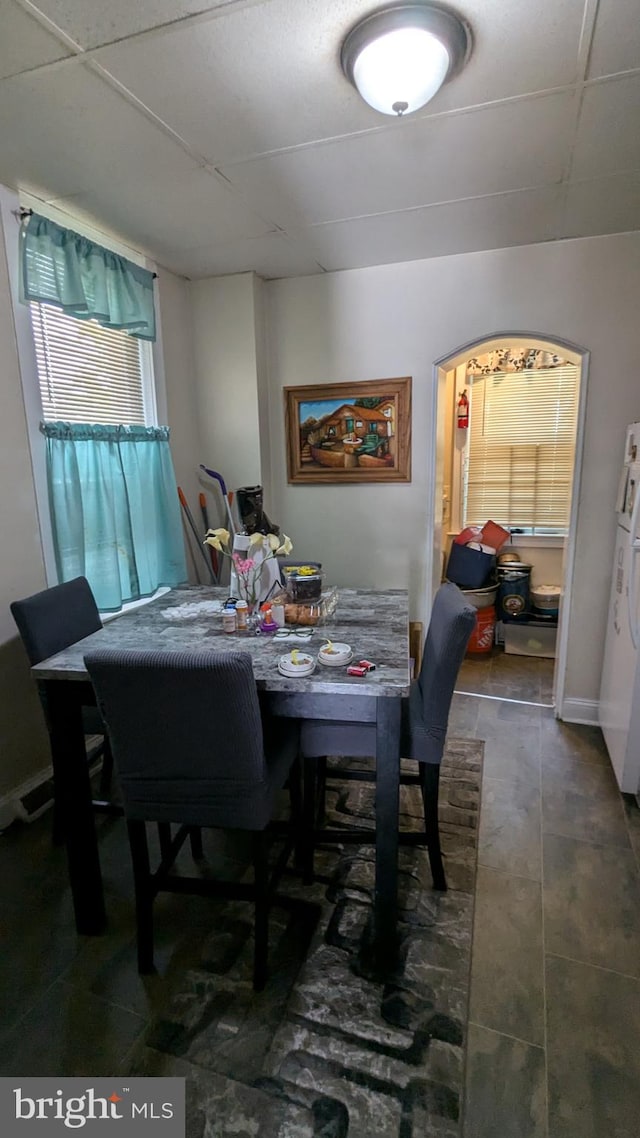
{"x": 581, "y": 711}
{"x": 32, "y": 797}
{"x": 23, "y": 802}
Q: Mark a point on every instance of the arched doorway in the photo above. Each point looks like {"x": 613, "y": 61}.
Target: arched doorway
{"x": 449, "y": 372}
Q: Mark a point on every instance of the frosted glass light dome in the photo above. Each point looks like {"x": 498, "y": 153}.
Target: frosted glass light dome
{"x": 407, "y": 66}
{"x": 399, "y": 57}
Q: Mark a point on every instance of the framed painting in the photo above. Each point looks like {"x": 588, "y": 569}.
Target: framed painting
{"x": 349, "y": 432}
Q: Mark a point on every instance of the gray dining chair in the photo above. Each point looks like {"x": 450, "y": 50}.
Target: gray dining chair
{"x": 191, "y": 747}
{"x": 424, "y": 722}
{"x": 49, "y": 622}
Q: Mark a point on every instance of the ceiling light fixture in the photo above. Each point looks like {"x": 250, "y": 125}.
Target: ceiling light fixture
{"x": 399, "y": 57}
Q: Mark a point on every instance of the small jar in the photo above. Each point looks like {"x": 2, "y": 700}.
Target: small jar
{"x": 242, "y": 616}
{"x": 303, "y": 587}
{"x": 229, "y": 620}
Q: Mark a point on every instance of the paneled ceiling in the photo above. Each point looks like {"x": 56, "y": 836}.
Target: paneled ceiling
{"x": 219, "y": 136}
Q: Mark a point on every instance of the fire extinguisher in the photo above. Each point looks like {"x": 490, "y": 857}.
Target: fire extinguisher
{"x": 463, "y": 410}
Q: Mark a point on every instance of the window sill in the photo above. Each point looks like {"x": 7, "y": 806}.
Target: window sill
{"x": 538, "y": 540}
{"x": 107, "y": 616}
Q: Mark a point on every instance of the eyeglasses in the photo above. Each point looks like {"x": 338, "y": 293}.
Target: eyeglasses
{"x": 298, "y": 633}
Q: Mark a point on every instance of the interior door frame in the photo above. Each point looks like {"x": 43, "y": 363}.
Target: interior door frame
{"x": 582, "y": 359}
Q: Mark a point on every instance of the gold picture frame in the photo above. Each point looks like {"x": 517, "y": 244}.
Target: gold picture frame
{"x": 349, "y": 432}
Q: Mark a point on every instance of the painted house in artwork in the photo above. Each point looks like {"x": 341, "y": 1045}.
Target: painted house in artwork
{"x": 354, "y": 436}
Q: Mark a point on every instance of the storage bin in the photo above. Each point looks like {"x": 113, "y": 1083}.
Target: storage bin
{"x": 546, "y": 599}
{"x": 513, "y": 591}
{"x": 469, "y": 568}
{"x": 483, "y": 634}
{"x": 530, "y": 640}
{"x": 481, "y": 598}
{"x": 495, "y": 535}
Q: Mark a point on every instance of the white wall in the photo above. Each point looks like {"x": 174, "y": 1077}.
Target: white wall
{"x": 175, "y": 334}
{"x": 226, "y": 369}
{"x": 395, "y": 320}
{"x": 23, "y": 740}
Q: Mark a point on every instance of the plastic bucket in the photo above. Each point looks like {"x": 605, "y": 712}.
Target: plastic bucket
{"x": 481, "y": 598}
{"x": 513, "y": 591}
{"x": 481, "y": 639}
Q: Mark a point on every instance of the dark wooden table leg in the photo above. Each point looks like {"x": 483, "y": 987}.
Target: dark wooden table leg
{"x": 73, "y": 792}
{"x": 385, "y": 914}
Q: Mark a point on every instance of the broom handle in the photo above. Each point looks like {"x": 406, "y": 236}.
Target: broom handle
{"x": 189, "y": 517}
{"x": 205, "y": 521}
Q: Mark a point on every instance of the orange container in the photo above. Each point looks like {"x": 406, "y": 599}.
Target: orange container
{"x": 494, "y": 535}
{"x": 481, "y": 639}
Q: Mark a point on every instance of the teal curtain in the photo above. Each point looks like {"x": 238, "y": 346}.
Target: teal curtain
{"x": 114, "y": 509}
{"x": 59, "y": 267}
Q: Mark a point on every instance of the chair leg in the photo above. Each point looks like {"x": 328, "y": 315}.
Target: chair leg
{"x": 321, "y": 789}
{"x": 429, "y": 784}
{"x": 308, "y": 819}
{"x": 106, "y": 774}
{"x": 261, "y": 909}
{"x": 57, "y": 828}
{"x": 164, "y": 836}
{"x": 296, "y": 801}
{"x": 144, "y": 896}
{"x": 195, "y": 839}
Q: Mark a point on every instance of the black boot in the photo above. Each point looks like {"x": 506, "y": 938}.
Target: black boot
{"x": 252, "y": 513}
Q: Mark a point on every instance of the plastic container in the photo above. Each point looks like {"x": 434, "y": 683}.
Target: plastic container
{"x": 309, "y": 612}
{"x": 494, "y": 535}
{"x": 513, "y": 591}
{"x": 481, "y": 598}
{"x": 482, "y": 636}
{"x": 546, "y": 599}
{"x": 229, "y": 619}
{"x": 242, "y": 616}
{"x": 469, "y": 568}
{"x": 304, "y": 587}
{"x": 530, "y": 640}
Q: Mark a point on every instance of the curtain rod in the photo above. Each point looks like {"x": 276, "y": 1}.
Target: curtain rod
{"x": 23, "y": 212}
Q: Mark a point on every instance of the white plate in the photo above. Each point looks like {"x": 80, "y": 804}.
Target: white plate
{"x": 339, "y": 649}
{"x": 286, "y": 668}
{"x": 340, "y": 662}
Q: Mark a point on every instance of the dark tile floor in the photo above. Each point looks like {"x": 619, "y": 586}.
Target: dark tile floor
{"x": 554, "y": 1042}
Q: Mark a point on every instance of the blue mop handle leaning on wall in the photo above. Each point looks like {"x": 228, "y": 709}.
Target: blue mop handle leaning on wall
{"x": 220, "y": 480}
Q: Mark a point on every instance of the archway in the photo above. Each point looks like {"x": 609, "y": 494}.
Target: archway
{"x": 446, "y": 378}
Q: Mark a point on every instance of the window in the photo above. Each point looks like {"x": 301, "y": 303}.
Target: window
{"x": 88, "y": 373}
{"x": 521, "y": 449}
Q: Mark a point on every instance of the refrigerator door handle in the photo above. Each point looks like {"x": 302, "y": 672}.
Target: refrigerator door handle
{"x": 632, "y": 588}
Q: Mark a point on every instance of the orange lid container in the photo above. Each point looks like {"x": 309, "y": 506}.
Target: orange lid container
{"x": 494, "y": 535}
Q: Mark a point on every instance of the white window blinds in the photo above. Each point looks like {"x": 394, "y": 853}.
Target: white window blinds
{"x": 87, "y": 373}
{"x": 521, "y": 448}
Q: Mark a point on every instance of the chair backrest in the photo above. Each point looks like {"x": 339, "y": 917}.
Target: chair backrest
{"x": 186, "y": 733}
{"x": 52, "y": 620}
{"x": 451, "y": 624}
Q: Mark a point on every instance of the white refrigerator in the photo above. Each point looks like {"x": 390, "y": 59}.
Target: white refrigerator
{"x": 620, "y": 686}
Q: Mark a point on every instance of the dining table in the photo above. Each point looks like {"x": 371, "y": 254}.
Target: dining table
{"x": 188, "y": 618}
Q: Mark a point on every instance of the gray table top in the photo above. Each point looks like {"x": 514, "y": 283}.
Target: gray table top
{"x": 374, "y": 622}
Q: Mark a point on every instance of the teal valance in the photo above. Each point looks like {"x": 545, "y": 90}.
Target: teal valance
{"x": 60, "y": 267}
